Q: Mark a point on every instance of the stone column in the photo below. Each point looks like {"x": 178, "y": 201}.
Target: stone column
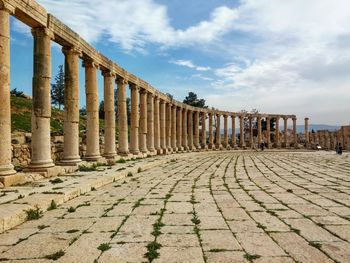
{"x": 251, "y": 141}
{"x": 92, "y": 124}
{"x": 41, "y": 112}
{"x": 277, "y": 133}
{"x": 306, "y": 131}
{"x": 218, "y": 132}
{"x": 134, "y": 122}
{"x": 196, "y": 130}
{"x": 157, "y": 125}
{"x": 109, "y": 81}
{"x": 123, "y": 147}
{"x": 143, "y": 121}
{"x": 268, "y": 130}
{"x": 204, "y": 131}
{"x": 259, "y": 131}
{"x": 241, "y": 132}
{"x": 168, "y": 126}
{"x": 150, "y": 122}
{"x": 179, "y": 129}
{"x": 226, "y": 145}
{"x": 295, "y": 132}
{"x": 285, "y": 119}
{"x": 71, "y": 107}
{"x": 233, "y": 135}
{"x": 173, "y": 128}
{"x": 211, "y": 135}
{"x": 163, "y": 144}
{"x": 184, "y": 130}
{"x": 6, "y": 168}
{"x": 190, "y": 129}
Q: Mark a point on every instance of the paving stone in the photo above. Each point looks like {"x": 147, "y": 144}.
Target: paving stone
{"x": 225, "y": 257}
{"x": 299, "y": 249}
{"x": 178, "y": 240}
{"x": 259, "y": 244}
{"x": 125, "y": 253}
{"x": 180, "y": 254}
{"x": 219, "y": 239}
{"x": 339, "y": 251}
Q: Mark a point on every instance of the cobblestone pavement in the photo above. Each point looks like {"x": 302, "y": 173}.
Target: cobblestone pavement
{"x": 207, "y": 207}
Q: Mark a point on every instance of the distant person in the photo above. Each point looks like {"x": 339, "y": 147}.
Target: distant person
{"x": 262, "y": 145}
{"x": 340, "y": 151}
{"x": 337, "y": 148}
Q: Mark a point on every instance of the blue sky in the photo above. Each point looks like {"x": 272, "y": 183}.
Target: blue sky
{"x": 288, "y": 57}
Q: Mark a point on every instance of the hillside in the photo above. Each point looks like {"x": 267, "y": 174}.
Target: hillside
{"x": 21, "y": 111}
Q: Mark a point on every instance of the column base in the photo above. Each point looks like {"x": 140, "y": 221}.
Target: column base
{"x": 110, "y": 156}
{"x": 174, "y": 149}
{"x": 12, "y": 179}
{"x": 41, "y": 164}
{"x": 94, "y": 158}
{"x": 218, "y": 147}
{"x": 6, "y": 170}
{"x": 70, "y": 161}
{"x": 180, "y": 148}
{"x": 46, "y": 172}
{"x": 125, "y": 154}
{"x": 228, "y": 147}
{"x": 205, "y": 147}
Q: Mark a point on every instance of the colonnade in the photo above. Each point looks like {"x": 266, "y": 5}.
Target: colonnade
{"x": 158, "y": 124}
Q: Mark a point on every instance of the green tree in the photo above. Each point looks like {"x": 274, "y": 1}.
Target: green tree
{"x": 57, "y": 89}
{"x": 101, "y": 110}
{"x": 193, "y": 100}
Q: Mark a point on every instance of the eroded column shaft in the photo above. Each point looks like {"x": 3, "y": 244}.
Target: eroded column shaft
{"x": 251, "y": 139}
{"x": 259, "y": 131}
{"x": 211, "y": 132}
{"x": 190, "y": 129}
{"x": 71, "y": 107}
{"x": 225, "y": 131}
{"x": 196, "y": 130}
{"x": 173, "y": 128}
{"x": 268, "y": 136}
{"x": 218, "y": 132}
{"x": 285, "y": 132}
{"x": 179, "y": 129}
{"x": 143, "y": 121}
{"x": 204, "y": 130}
{"x": 157, "y": 124}
{"x": 277, "y": 133}
{"x": 123, "y": 147}
{"x": 184, "y": 130}
{"x": 163, "y": 144}
{"x": 109, "y": 147}
{"x": 241, "y": 132}
{"x": 41, "y": 112}
{"x": 150, "y": 122}
{"x": 233, "y": 135}
{"x": 6, "y": 168}
{"x": 92, "y": 124}
{"x": 134, "y": 122}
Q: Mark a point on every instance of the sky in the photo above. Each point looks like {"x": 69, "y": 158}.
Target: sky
{"x": 277, "y": 56}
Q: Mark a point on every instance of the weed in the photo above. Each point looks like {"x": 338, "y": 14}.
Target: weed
{"x": 72, "y": 231}
{"x": 315, "y": 244}
{"x": 52, "y": 206}
{"x": 71, "y": 209}
{"x": 289, "y": 190}
{"x": 129, "y": 174}
{"x": 139, "y": 170}
{"x": 34, "y": 214}
{"x": 56, "y": 255}
{"x": 152, "y": 252}
{"x": 261, "y": 226}
{"x": 93, "y": 188}
{"x": 251, "y": 256}
{"x": 121, "y": 160}
{"x": 56, "y": 181}
{"x": 20, "y": 196}
{"x": 217, "y": 250}
{"x": 104, "y": 246}
{"x": 40, "y": 227}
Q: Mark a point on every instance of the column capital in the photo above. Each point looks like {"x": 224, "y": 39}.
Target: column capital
{"x": 89, "y": 63}
{"x": 306, "y": 119}
{"x": 42, "y": 32}
{"x": 225, "y": 116}
{"x": 121, "y": 81}
{"x": 72, "y": 50}
{"x": 4, "y": 5}
{"x": 294, "y": 118}
{"x": 108, "y": 73}
{"x": 143, "y": 90}
{"x": 133, "y": 86}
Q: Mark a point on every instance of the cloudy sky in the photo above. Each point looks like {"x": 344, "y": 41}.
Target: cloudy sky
{"x": 277, "y": 56}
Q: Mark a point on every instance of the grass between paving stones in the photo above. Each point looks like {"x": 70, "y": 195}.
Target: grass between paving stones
{"x": 52, "y": 205}
{"x": 297, "y": 231}
{"x": 153, "y": 247}
{"x": 56, "y": 181}
{"x": 251, "y": 257}
{"x": 71, "y": 209}
{"x": 104, "y": 247}
{"x": 55, "y": 256}
{"x": 34, "y": 214}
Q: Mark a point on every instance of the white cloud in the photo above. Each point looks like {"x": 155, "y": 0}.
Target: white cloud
{"x": 189, "y": 64}
{"x": 133, "y": 24}
{"x": 300, "y": 63}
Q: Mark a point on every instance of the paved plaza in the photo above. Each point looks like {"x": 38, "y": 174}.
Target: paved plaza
{"x": 202, "y": 207}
